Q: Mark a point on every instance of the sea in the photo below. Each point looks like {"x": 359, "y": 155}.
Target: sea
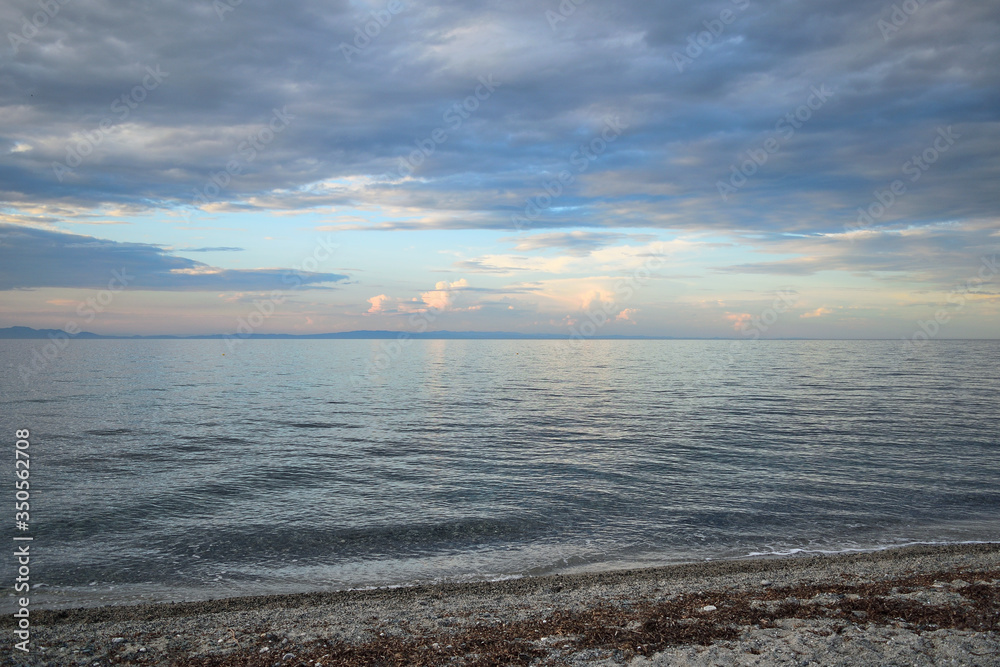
{"x": 168, "y": 470}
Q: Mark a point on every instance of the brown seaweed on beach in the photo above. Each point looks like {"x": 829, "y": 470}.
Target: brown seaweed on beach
{"x": 623, "y": 630}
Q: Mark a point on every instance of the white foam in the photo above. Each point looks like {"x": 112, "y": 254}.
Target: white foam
{"x": 848, "y": 550}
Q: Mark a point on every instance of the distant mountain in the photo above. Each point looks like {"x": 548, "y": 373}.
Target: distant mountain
{"x": 28, "y": 332}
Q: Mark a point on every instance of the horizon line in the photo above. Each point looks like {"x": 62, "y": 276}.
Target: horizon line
{"x": 29, "y": 333}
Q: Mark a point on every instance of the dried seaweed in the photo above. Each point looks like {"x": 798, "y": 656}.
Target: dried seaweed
{"x": 635, "y": 627}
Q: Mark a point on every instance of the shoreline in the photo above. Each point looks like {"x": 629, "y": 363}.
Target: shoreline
{"x": 674, "y": 614}
{"x": 54, "y": 603}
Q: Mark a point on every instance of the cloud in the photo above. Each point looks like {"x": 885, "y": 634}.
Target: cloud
{"x": 193, "y": 150}
{"x": 627, "y": 315}
{"x": 379, "y": 304}
{"x": 595, "y": 299}
{"x": 739, "y": 320}
{"x": 456, "y": 296}
{"x": 219, "y": 249}
{"x": 602, "y": 257}
{"x": 819, "y": 312}
{"x": 511, "y": 264}
{"x": 442, "y": 297}
{"x": 354, "y": 122}
{"x": 31, "y": 258}
{"x": 936, "y": 255}
{"x": 577, "y": 243}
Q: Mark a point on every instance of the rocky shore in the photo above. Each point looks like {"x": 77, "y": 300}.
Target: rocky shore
{"x": 909, "y": 606}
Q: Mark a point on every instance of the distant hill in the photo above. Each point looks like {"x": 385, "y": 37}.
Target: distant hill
{"x": 28, "y": 332}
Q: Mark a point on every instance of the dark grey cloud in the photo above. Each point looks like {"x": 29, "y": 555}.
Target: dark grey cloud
{"x": 224, "y": 78}
{"x": 938, "y": 256}
{"x": 31, "y": 258}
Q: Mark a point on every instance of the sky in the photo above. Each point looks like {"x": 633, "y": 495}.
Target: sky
{"x": 733, "y": 168}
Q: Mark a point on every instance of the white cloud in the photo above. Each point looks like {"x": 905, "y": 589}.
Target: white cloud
{"x": 442, "y": 297}
{"x": 378, "y": 304}
{"x": 627, "y": 315}
{"x": 445, "y": 297}
{"x": 819, "y": 312}
{"x": 739, "y": 319}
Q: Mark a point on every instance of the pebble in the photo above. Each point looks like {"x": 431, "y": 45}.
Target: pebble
{"x": 710, "y": 607}
{"x": 516, "y": 600}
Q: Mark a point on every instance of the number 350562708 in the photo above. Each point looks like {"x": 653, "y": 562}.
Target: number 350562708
{"x": 22, "y": 465}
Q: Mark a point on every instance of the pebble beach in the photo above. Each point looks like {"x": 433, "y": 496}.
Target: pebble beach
{"x": 921, "y": 605}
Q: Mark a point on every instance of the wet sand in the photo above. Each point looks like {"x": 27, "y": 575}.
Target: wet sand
{"x": 912, "y": 606}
